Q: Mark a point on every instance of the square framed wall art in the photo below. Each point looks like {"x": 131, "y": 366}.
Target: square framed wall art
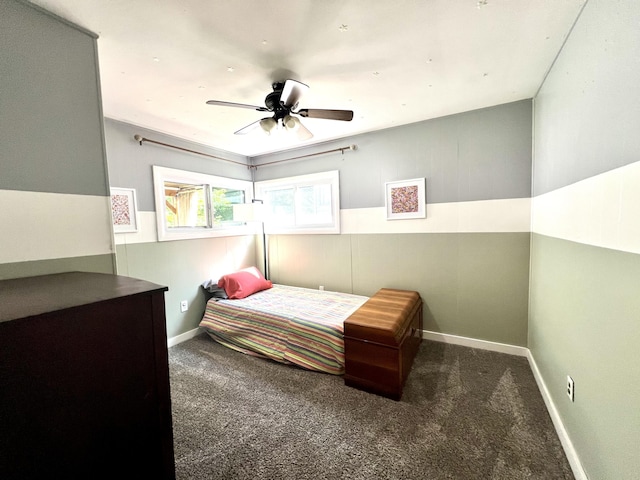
{"x": 406, "y": 199}
{"x": 123, "y": 210}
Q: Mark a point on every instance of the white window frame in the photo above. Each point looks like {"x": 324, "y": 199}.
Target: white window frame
{"x": 331, "y": 178}
{"x": 165, "y": 174}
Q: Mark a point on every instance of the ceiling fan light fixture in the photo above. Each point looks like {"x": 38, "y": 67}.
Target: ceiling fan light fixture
{"x": 268, "y": 125}
{"x": 290, "y": 123}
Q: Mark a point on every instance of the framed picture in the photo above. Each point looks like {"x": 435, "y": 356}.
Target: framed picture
{"x": 123, "y": 210}
{"x": 406, "y": 199}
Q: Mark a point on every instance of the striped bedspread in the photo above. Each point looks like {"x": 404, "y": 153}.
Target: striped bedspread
{"x": 288, "y": 324}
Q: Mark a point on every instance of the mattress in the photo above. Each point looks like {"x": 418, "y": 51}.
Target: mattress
{"x": 293, "y": 325}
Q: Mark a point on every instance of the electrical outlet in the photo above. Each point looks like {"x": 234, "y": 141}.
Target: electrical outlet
{"x": 570, "y": 388}
{"x": 184, "y": 306}
{"x": 321, "y": 287}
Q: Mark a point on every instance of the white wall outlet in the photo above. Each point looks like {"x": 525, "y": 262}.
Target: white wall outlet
{"x": 570, "y": 388}
{"x": 184, "y": 306}
{"x": 321, "y": 287}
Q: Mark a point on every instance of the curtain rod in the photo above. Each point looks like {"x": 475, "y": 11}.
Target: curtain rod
{"x": 139, "y": 138}
{"x": 340, "y": 149}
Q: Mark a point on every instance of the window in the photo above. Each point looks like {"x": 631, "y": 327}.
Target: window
{"x": 303, "y": 204}
{"x": 184, "y": 205}
{"x": 196, "y": 205}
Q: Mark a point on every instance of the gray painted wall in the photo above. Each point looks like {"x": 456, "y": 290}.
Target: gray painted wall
{"x": 479, "y": 155}
{"x": 587, "y": 112}
{"x": 51, "y": 138}
{"x": 584, "y": 306}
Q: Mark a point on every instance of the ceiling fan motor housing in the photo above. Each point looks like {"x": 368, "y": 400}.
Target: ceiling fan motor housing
{"x": 273, "y": 103}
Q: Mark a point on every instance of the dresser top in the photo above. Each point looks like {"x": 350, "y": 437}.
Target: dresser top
{"x": 31, "y": 296}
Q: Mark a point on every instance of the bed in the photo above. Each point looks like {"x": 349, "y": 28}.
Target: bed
{"x": 371, "y": 341}
{"x": 287, "y": 324}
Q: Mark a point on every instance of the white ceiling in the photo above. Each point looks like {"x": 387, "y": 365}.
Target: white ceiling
{"x": 392, "y": 62}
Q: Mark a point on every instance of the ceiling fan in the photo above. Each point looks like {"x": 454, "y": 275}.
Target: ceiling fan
{"x": 282, "y": 102}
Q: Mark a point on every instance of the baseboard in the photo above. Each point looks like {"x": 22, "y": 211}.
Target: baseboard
{"x": 475, "y": 343}
{"x": 183, "y": 337}
{"x": 567, "y": 444}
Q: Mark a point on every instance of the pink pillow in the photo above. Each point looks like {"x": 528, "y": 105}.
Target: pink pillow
{"x": 244, "y": 282}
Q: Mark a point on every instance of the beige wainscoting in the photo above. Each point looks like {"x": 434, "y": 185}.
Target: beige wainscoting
{"x": 473, "y": 284}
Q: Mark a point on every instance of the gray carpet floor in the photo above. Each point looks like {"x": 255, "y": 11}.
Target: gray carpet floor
{"x": 465, "y": 414}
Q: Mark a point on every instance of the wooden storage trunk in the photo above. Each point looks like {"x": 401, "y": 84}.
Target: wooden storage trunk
{"x": 381, "y": 340}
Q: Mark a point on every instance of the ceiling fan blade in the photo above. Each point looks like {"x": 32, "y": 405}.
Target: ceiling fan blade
{"x": 248, "y": 128}
{"x": 302, "y": 131}
{"x": 241, "y": 105}
{"x": 345, "y": 115}
{"x": 292, "y": 92}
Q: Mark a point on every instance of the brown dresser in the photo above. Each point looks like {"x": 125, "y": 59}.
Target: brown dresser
{"x": 84, "y": 378}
